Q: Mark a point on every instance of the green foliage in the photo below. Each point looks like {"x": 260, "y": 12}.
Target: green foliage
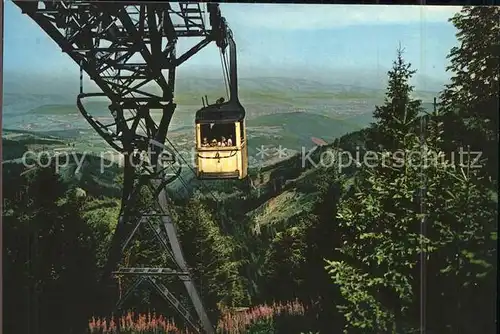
{"x": 421, "y": 212}
{"x": 470, "y": 101}
{"x": 101, "y": 216}
{"x": 14, "y": 149}
{"x": 463, "y": 217}
{"x": 49, "y": 255}
{"x": 380, "y": 244}
{"x": 263, "y": 326}
{"x": 383, "y": 231}
{"x": 364, "y": 311}
{"x": 289, "y": 253}
{"x": 398, "y": 115}
{"x": 286, "y": 257}
{"x": 212, "y": 256}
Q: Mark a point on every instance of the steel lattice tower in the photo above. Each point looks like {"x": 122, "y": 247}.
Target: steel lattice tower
{"x": 129, "y": 50}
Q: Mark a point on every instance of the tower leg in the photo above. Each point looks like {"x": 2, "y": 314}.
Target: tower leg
{"x": 158, "y": 220}
{"x": 102, "y": 39}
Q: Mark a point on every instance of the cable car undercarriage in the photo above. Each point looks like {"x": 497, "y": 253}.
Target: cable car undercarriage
{"x": 103, "y": 38}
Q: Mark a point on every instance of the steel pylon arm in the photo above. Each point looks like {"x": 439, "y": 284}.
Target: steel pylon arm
{"x": 125, "y": 48}
{"x": 128, "y": 49}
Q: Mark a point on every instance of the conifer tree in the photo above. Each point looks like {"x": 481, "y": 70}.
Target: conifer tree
{"x": 211, "y": 256}
{"x": 419, "y": 214}
{"x": 398, "y": 114}
{"x": 470, "y": 101}
{"x": 380, "y": 221}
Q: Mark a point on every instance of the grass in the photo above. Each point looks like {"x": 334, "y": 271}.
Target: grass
{"x": 281, "y": 208}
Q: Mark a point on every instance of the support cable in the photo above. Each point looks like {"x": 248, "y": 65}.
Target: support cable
{"x": 81, "y": 76}
{"x": 226, "y": 85}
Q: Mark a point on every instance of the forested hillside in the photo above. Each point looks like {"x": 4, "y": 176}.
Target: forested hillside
{"x": 402, "y": 239}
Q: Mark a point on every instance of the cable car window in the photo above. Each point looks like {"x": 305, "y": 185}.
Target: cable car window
{"x": 221, "y": 134}
{"x": 242, "y": 131}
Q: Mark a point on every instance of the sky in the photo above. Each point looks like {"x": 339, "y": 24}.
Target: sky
{"x": 276, "y": 38}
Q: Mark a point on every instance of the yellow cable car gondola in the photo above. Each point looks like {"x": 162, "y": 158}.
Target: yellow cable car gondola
{"x": 221, "y": 143}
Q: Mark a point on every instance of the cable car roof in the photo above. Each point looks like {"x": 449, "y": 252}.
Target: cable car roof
{"x": 225, "y": 112}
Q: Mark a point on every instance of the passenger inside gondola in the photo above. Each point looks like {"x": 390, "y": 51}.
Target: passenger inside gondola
{"x": 218, "y": 135}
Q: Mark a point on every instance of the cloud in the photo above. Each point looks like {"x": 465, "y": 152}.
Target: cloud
{"x": 313, "y": 17}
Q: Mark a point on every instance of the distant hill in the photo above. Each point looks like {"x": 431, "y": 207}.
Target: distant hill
{"x": 259, "y": 96}
{"x": 305, "y": 125}
{"x": 293, "y": 91}
{"x": 96, "y": 108}
{"x": 370, "y": 78}
{"x": 58, "y": 134}
{"x": 189, "y": 88}
{"x": 280, "y": 111}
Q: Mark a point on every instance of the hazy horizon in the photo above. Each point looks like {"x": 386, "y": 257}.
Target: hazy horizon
{"x": 340, "y": 44}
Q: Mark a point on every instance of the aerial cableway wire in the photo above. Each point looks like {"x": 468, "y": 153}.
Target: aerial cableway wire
{"x": 226, "y": 67}
{"x": 176, "y": 152}
{"x": 81, "y": 76}
{"x": 141, "y": 124}
{"x": 216, "y": 200}
{"x": 182, "y": 180}
{"x": 224, "y": 73}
